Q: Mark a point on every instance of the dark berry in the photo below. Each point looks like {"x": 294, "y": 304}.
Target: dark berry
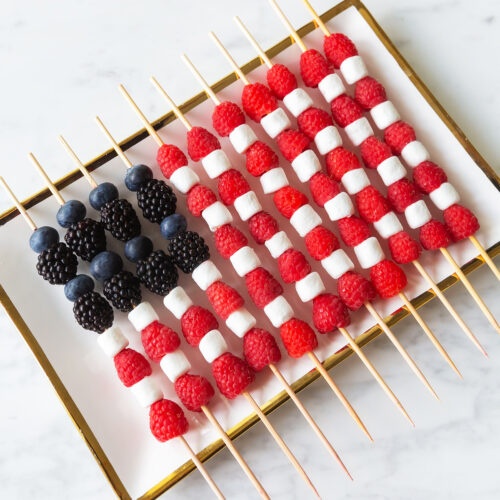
{"x": 102, "y": 194}
{"x": 43, "y": 238}
{"x": 188, "y": 250}
{"x": 138, "y": 248}
{"x": 93, "y": 312}
{"x": 72, "y": 211}
{"x": 173, "y": 225}
{"x": 156, "y": 199}
{"x": 86, "y": 238}
{"x": 78, "y": 286}
{"x": 105, "y": 264}
{"x": 57, "y": 264}
{"x": 123, "y": 290}
{"x": 137, "y": 176}
{"x": 158, "y": 273}
{"x": 120, "y": 219}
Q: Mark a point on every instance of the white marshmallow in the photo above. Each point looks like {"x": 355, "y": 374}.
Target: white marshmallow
{"x": 384, "y": 114}
{"x": 337, "y": 264}
{"x": 306, "y": 165}
{"x": 273, "y": 180}
{"x": 275, "y": 122}
{"x": 216, "y": 215}
{"x": 278, "y": 244}
{"x": 215, "y": 163}
{"x": 142, "y": 316}
{"x": 112, "y": 341}
{"x": 297, "y": 101}
{"x": 444, "y": 196}
{"x": 212, "y": 345}
{"x": 174, "y": 364}
{"x": 369, "y": 252}
{"x": 388, "y": 225}
{"x": 177, "y": 302}
{"x": 247, "y": 205}
{"x": 242, "y": 137}
{"x": 184, "y": 178}
{"x": 353, "y": 69}
{"x": 240, "y": 321}
{"x": 305, "y": 219}
{"x": 359, "y": 130}
{"x": 309, "y": 287}
{"x": 331, "y": 87}
{"x": 417, "y": 214}
{"x": 339, "y": 206}
{"x": 327, "y": 139}
{"x": 206, "y": 274}
{"x": 278, "y": 311}
{"x": 355, "y": 180}
{"x": 391, "y": 170}
{"x": 414, "y": 153}
{"x": 147, "y": 391}
{"x": 244, "y": 260}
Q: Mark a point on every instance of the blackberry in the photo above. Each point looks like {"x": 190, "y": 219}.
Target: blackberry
{"x": 86, "y": 238}
{"x": 123, "y": 290}
{"x": 57, "y": 264}
{"x": 93, "y": 312}
{"x": 158, "y": 273}
{"x": 120, "y": 219}
{"x": 156, "y": 199}
{"x": 188, "y": 250}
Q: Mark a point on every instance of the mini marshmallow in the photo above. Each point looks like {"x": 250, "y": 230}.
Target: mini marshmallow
{"x": 247, "y": 205}
{"x": 147, "y": 391}
{"x": 337, "y": 263}
{"x": 206, "y": 274}
{"x": 216, "y": 215}
{"x": 306, "y": 165}
{"x": 384, "y": 114}
{"x": 391, "y": 170}
{"x": 339, "y": 206}
{"x": 240, "y": 321}
{"x": 331, "y": 87}
{"x": 112, "y": 341}
{"x": 309, "y": 287}
{"x": 355, "y": 180}
{"x": 388, "y": 225}
{"x": 444, "y": 196}
{"x": 327, "y": 139}
{"x": 212, "y": 345}
{"x": 244, "y": 260}
{"x": 359, "y": 130}
{"x": 305, "y": 219}
{"x": 297, "y": 101}
{"x": 414, "y": 153}
{"x": 142, "y": 316}
{"x": 177, "y": 302}
{"x": 273, "y": 180}
{"x": 242, "y": 137}
{"x": 275, "y": 122}
{"x": 353, "y": 69}
{"x": 216, "y": 163}
{"x": 174, "y": 364}
{"x": 278, "y": 311}
{"x": 278, "y": 244}
{"x": 184, "y": 178}
{"x": 417, "y": 214}
{"x": 369, "y": 252}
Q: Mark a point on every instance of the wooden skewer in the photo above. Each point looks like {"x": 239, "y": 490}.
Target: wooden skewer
{"x": 263, "y": 56}
{"x": 116, "y": 146}
{"x": 293, "y": 34}
{"x": 78, "y": 162}
{"x": 319, "y": 22}
{"x": 485, "y": 256}
{"x": 46, "y": 178}
{"x": 239, "y": 73}
{"x": 18, "y": 205}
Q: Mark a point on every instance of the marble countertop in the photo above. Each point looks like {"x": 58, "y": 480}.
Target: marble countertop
{"x": 61, "y": 62}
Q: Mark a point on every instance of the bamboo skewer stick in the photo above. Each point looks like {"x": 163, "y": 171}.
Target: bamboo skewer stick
{"x": 78, "y": 163}
{"x": 18, "y": 205}
{"x": 485, "y": 256}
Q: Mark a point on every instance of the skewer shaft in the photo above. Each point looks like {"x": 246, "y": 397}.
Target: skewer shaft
{"x": 253, "y": 42}
{"x": 321, "y": 25}
{"x": 116, "y": 146}
{"x": 206, "y": 87}
{"x": 178, "y": 113}
{"x": 18, "y": 204}
{"x": 295, "y": 37}
{"x": 46, "y": 178}
{"x": 229, "y": 57}
{"x": 78, "y": 162}
{"x": 485, "y": 256}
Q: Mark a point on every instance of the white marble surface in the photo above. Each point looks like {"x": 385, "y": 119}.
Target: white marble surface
{"x": 64, "y": 60}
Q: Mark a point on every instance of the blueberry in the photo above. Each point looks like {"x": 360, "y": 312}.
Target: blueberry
{"x": 78, "y": 286}
{"x": 138, "y": 248}
{"x": 105, "y": 264}
{"x": 72, "y": 211}
{"x": 173, "y": 225}
{"x": 103, "y": 193}
{"x": 42, "y": 238}
{"x": 137, "y": 176}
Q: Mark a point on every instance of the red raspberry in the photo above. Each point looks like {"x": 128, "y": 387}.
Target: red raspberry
{"x": 374, "y": 152}
{"x": 228, "y": 240}
{"x": 262, "y": 226}
{"x": 260, "y": 349}
{"x": 298, "y": 337}
{"x": 371, "y": 204}
{"x": 398, "y": 135}
{"x": 232, "y": 375}
{"x": 262, "y": 287}
{"x": 231, "y": 184}
{"x": 402, "y": 194}
{"x": 461, "y": 222}
{"x": 353, "y": 230}
{"x": 200, "y": 143}
{"x": 323, "y": 188}
{"x": 167, "y": 420}
{"x": 313, "y": 67}
{"x": 281, "y": 80}
{"x": 434, "y": 235}
{"x": 369, "y": 92}
{"x": 292, "y": 143}
{"x": 170, "y": 158}
{"x": 293, "y": 266}
{"x": 224, "y": 299}
{"x": 226, "y": 117}
{"x": 339, "y": 161}
{"x": 196, "y": 322}
{"x": 312, "y": 120}
{"x": 260, "y": 159}
{"x": 338, "y": 47}
{"x": 404, "y": 248}
{"x": 159, "y": 340}
{"x": 355, "y": 290}
{"x": 345, "y": 110}
{"x": 329, "y": 313}
{"x": 131, "y": 367}
{"x": 321, "y": 243}
{"x": 388, "y": 278}
{"x": 194, "y": 391}
{"x": 257, "y": 101}
{"x": 199, "y": 198}
{"x": 428, "y": 176}
{"x": 288, "y": 200}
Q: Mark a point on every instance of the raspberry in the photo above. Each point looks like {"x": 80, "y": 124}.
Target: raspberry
{"x": 257, "y": 101}
{"x": 398, "y": 135}
{"x": 231, "y": 185}
{"x": 338, "y": 47}
{"x": 260, "y": 349}
{"x": 167, "y": 420}
{"x": 428, "y": 176}
{"x": 369, "y": 92}
{"x": 353, "y": 230}
{"x": 313, "y": 67}
{"x": 288, "y": 200}
{"x": 329, "y": 313}
{"x": 159, "y": 340}
{"x": 226, "y": 117}
{"x": 292, "y": 143}
{"x": 281, "y": 80}
{"x": 461, "y": 222}
{"x": 224, "y": 299}
{"x": 170, "y": 158}
{"x": 298, "y": 337}
{"x": 339, "y": 161}
{"x": 388, "y": 278}
{"x": 260, "y": 159}
{"x": 312, "y": 120}
{"x": 323, "y": 188}
{"x": 262, "y": 226}
{"x": 374, "y": 152}
{"x": 371, "y": 204}
{"x": 345, "y": 110}
{"x": 404, "y": 248}
{"x": 200, "y": 143}
{"x": 196, "y": 322}
{"x": 434, "y": 235}
{"x": 131, "y": 367}
{"x": 232, "y": 375}
{"x": 262, "y": 287}
{"x": 402, "y": 194}
{"x": 355, "y": 290}
{"x": 293, "y": 266}
{"x": 199, "y": 198}
{"x": 228, "y": 240}
{"x": 194, "y": 391}
{"x": 321, "y": 243}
